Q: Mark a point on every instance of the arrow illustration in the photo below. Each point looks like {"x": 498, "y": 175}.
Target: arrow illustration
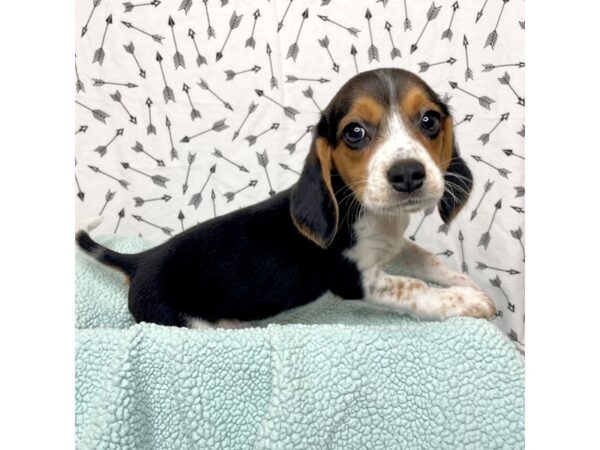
{"x": 107, "y": 198}
{"x": 158, "y": 180}
{"x": 139, "y": 148}
{"x": 129, "y": 6}
{"x": 99, "y": 53}
{"x": 446, "y": 253}
{"x": 251, "y": 109}
{"x": 490, "y": 67}
{"x": 426, "y": 213}
{"x": 407, "y": 22}
{"x": 273, "y": 80}
{"x": 353, "y": 31}
{"x": 493, "y": 36}
{"x": 234, "y": 22}
{"x": 209, "y": 30}
{"x": 102, "y": 149}
{"x": 468, "y": 71}
{"x": 353, "y": 52}
{"x": 80, "y": 193}
{"x": 190, "y": 160}
{"x": 194, "y": 113}
{"x": 503, "y": 172}
{"x": 432, "y": 13}
{"x": 484, "y": 101}
{"x": 250, "y": 42}
{"x": 252, "y": 138}
{"x": 213, "y": 197}
{"x": 167, "y": 92}
{"x": 291, "y": 147}
{"x": 218, "y": 154}
{"x": 99, "y": 82}
{"x": 486, "y": 189}
{"x": 168, "y": 231}
{"x": 424, "y": 66}
{"x": 505, "y": 80}
{"x": 204, "y": 85}
{"x": 294, "y": 78}
{"x": 485, "y": 137}
{"x": 294, "y": 49}
{"x": 373, "y": 52}
{"x": 464, "y": 267}
{"x": 199, "y": 58}
{"x": 287, "y": 110}
{"x": 263, "y": 160}
{"x": 123, "y": 183}
{"x": 131, "y": 50}
{"x": 289, "y": 169}
{"x": 180, "y": 216}
{"x": 185, "y": 6}
{"x": 395, "y": 52}
{"x": 521, "y": 132}
{"x": 150, "y": 129}
{"x": 155, "y": 37}
{"x": 520, "y": 191}
{"x": 447, "y": 34}
{"x": 325, "y": 44}
{"x": 78, "y": 84}
{"x": 197, "y": 197}
{"x": 280, "y": 24}
{"x": 117, "y": 98}
{"x": 139, "y": 201}
{"x": 383, "y": 2}
{"x": 518, "y": 209}
{"x": 178, "y": 59}
{"x": 120, "y": 215}
{"x": 496, "y": 282}
{"x": 230, "y": 74}
{"x": 486, "y": 237}
{"x": 98, "y": 114}
{"x": 231, "y": 195}
{"x": 480, "y": 12}
{"x": 218, "y": 126}
{"x": 467, "y": 118}
{"x": 308, "y": 93}
{"x": 518, "y": 235}
{"x": 174, "y": 154}
{"x": 483, "y": 266}
{"x": 82, "y": 129}
{"x": 95, "y": 4}
{"x": 509, "y": 152}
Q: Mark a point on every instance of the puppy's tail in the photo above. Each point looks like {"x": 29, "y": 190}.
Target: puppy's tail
{"x": 120, "y": 261}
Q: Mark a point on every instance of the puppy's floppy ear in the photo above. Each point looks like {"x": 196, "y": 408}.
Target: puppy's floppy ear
{"x": 458, "y": 179}
{"x": 313, "y": 205}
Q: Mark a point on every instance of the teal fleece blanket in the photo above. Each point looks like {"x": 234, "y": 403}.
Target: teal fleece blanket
{"x": 331, "y": 375}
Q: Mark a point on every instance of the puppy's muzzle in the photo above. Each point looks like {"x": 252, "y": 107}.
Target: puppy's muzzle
{"x": 407, "y": 175}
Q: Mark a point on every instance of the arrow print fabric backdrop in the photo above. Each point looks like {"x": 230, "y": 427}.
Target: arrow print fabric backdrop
{"x": 189, "y": 109}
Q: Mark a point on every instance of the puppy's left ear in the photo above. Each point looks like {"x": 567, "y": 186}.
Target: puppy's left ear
{"x": 458, "y": 179}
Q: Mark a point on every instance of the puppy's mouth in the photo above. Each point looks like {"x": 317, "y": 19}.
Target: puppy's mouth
{"x": 412, "y": 203}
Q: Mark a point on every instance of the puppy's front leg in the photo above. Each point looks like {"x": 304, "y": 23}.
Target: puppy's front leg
{"x": 414, "y": 297}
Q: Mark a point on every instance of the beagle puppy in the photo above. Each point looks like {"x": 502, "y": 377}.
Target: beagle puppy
{"x": 383, "y": 149}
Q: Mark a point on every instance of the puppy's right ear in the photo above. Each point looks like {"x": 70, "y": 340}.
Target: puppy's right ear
{"x": 313, "y": 205}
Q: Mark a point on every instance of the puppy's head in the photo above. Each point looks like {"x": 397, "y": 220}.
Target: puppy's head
{"x": 390, "y": 139}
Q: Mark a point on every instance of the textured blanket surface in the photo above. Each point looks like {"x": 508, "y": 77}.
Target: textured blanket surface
{"x": 331, "y": 375}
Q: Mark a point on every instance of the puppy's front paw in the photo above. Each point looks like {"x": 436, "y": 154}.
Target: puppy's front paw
{"x": 467, "y": 302}
{"x": 460, "y": 279}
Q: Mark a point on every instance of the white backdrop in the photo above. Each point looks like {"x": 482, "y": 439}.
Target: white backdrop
{"x": 151, "y": 75}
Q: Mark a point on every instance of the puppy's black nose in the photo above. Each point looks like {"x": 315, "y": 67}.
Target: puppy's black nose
{"x": 407, "y": 175}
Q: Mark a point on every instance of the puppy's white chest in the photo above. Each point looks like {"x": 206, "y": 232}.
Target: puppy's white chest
{"x": 379, "y": 240}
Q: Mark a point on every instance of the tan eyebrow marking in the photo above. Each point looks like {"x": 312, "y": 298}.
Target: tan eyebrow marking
{"x": 364, "y": 108}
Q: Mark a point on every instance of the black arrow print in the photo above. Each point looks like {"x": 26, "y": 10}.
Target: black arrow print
{"x": 131, "y": 50}
{"x": 155, "y": 37}
{"x": 95, "y": 4}
{"x": 204, "y": 85}
{"x": 168, "y": 231}
{"x": 180, "y": 216}
{"x": 197, "y": 197}
{"x": 199, "y": 58}
{"x": 518, "y": 235}
{"x": 213, "y": 197}
{"x": 426, "y": 213}
{"x": 252, "y": 138}
{"x": 505, "y": 80}
{"x": 432, "y": 13}
{"x": 383, "y": 2}
{"x": 443, "y": 228}
{"x": 121, "y": 214}
{"x": 250, "y": 42}
{"x": 480, "y": 12}
{"x": 483, "y": 266}
{"x": 490, "y": 67}
{"x": 251, "y": 109}
{"x": 273, "y": 80}
{"x": 150, "y": 129}
{"x": 372, "y": 51}
{"x": 185, "y": 6}
{"x": 518, "y": 209}
{"x": 521, "y": 132}
{"x": 218, "y": 126}
{"x": 123, "y": 183}
{"x": 447, "y": 34}
{"x": 496, "y": 282}
{"x": 325, "y": 44}
{"x": 486, "y": 189}
{"x": 178, "y": 59}
{"x": 308, "y": 93}
{"x": 102, "y": 149}
{"x": 139, "y": 148}
{"x": 158, "y": 180}
{"x": 468, "y": 71}
{"x": 263, "y": 160}
{"x": 218, "y": 154}
{"x": 484, "y": 101}
{"x": 353, "y": 52}
{"x": 493, "y": 36}
{"x": 520, "y": 191}
{"x": 107, "y": 198}
{"x": 230, "y": 74}
{"x": 353, "y": 31}
{"x": 289, "y": 169}
{"x": 190, "y": 160}
{"x": 291, "y": 147}
{"x": 99, "y": 53}
{"x": 467, "y": 118}
{"x": 80, "y": 193}
{"x": 407, "y": 22}
{"x": 395, "y": 52}
{"x": 485, "y": 137}
{"x": 139, "y": 201}
{"x": 287, "y": 110}
{"x": 129, "y": 6}
{"x": 503, "y": 172}
{"x": 464, "y": 267}
{"x": 174, "y": 154}
{"x": 99, "y": 82}
{"x": 234, "y": 22}
{"x": 294, "y": 78}
{"x": 231, "y": 195}
{"x": 167, "y": 92}
{"x": 194, "y": 113}
{"x": 424, "y": 66}
{"x": 294, "y": 48}
{"x": 486, "y": 237}
{"x": 446, "y": 253}
{"x": 280, "y": 23}
{"x": 509, "y": 152}
{"x": 117, "y": 98}
{"x": 209, "y": 30}
{"x": 78, "y": 84}
{"x": 82, "y": 129}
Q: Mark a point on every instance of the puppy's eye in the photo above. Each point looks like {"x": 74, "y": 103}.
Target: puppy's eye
{"x": 430, "y": 123}
{"x": 354, "y": 134}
